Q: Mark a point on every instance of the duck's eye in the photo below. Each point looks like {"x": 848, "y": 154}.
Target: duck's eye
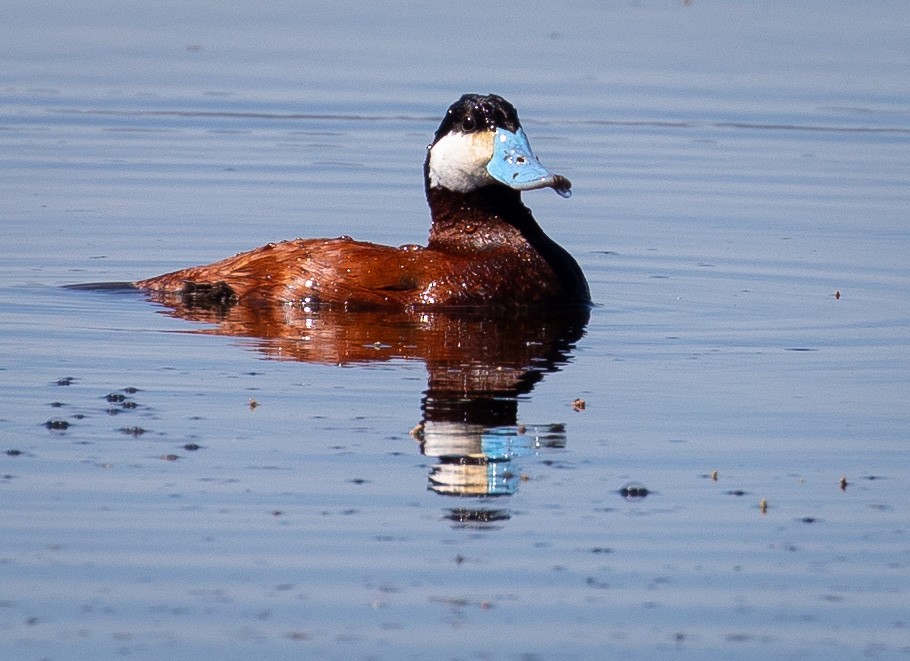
{"x": 468, "y": 124}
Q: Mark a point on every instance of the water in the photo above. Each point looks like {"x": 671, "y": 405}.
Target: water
{"x": 238, "y": 487}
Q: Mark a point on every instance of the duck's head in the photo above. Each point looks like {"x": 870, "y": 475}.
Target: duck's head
{"x": 480, "y": 143}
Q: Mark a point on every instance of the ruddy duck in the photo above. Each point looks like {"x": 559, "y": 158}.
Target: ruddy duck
{"x": 485, "y": 248}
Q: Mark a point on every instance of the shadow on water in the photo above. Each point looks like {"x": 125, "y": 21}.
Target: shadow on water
{"x": 478, "y": 365}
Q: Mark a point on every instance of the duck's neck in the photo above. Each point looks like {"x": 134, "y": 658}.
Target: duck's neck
{"x": 494, "y": 216}
{"x": 465, "y": 222}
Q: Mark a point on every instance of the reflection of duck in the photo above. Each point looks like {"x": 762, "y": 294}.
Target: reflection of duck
{"x": 478, "y": 366}
{"x": 484, "y": 248}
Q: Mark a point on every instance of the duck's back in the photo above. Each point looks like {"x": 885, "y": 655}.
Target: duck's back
{"x": 352, "y": 274}
{"x": 302, "y": 270}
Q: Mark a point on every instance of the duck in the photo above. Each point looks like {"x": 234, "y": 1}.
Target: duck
{"x": 485, "y": 249}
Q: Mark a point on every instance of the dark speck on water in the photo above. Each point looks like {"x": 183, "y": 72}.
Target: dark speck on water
{"x": 634, "y": 491}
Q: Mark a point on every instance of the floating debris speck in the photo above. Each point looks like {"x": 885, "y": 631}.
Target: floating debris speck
{"x": 634, "y": 491}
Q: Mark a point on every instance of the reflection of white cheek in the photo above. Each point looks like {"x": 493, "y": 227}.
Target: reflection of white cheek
{"x": 452, "y": 439}
{"x": 458, "y": 161}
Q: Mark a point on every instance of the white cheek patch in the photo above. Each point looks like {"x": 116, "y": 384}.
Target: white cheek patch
{"x": 458, "y": 161}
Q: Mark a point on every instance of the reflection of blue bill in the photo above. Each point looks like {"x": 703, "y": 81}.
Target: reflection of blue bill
{"x": 502, "y": 445}
{"x": 502, "y": 478}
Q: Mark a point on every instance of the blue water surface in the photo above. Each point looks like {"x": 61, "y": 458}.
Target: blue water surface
{"x": 716, "y": 467}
